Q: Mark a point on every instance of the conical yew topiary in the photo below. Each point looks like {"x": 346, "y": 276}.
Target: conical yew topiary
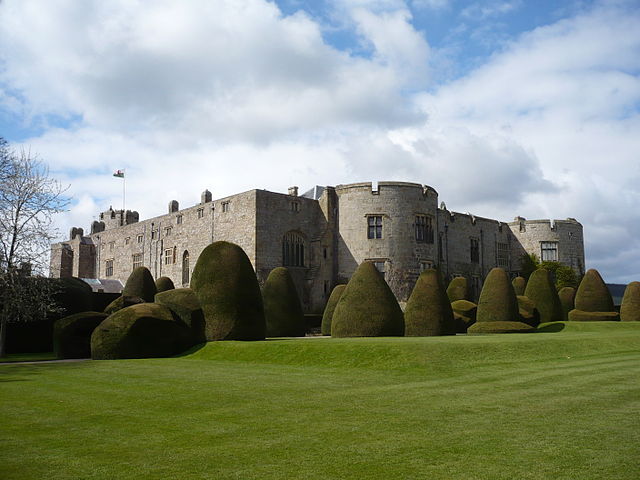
{"x": 543, "y": 293}
{"x": 519, "y": 285}
{"x": 464, "y": 314}
{"x": 367, "y": 307}
{"x": 527, "y": 311}
{"x": 140, "y": 284}
{"x": 458, "y": 289}
{"x": 428, "y": 311}
{"x": 282, "y": 308}
{"x": 184, "y": 304}
{"x": 567, "y": 296}
{"x": 163, "y": 284}
{"x": 498, "y": 307}
{"x": 228, "y": 291}
{"x": 327, "y": 316}
{"x": 630, "y": 308}
{"x": 593, "y": 302}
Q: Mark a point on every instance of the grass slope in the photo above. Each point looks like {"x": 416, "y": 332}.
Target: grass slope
{"x": 548, "y": 405}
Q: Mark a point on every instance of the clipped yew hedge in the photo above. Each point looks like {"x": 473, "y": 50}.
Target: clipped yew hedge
{"x": 458, "y": 289}
{"x": 282, "y": 309}
{"x": 593, "y": 302}
{"x": 227, "y": 288}
{"x": 428, "y": 311}
{"x": 367, "y": 307}
{"x": 122, "y": 302}
{"x": 145, "y": 330}
{"x": 630, "y": 308}
{"x": 541, "y": 290}
{"x": 140, "y": 284}
{"x": 72, "y": 334}
{"x": 464, "y": 314}
{"x": 567, "y": 297}
{"x": 498, "y": 310}
{"x": 327, "y": 316}
{"x": 163, "y": 284}
{"x": 184, "y": 304}
{"x": 527, "y": 310}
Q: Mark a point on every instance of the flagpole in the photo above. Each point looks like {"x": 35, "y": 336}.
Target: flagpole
{"x": 124, "y": 183}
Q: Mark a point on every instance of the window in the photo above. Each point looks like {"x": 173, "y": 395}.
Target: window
{"x": 179, "y": 220}
{"x": 140, "y": 238}
{"x": 111, "y": 245}
{"x": 502, "y": 255}
{"x": 324, "y": 253}
{"x": 374, "y": 223}
{"x": 136, "y": 260}
{"x": 226, "y": 207}
{"x": 549, "y": 251}
{"x": 127, "y": 240}
{"x": 293, "y": 250}
{"x": 167, "y": 231}
{"x": 295, "y": 206}
{"x": 441, "y": 247}
{"x": 425, "y": 265}
{"x": 154, "y": 233}
{"x": 424, "y": 229}
{"x": 475, "y": 250}
{"x": 168, "y": 256}
{"x": 380, "y": 266}
{"x": 185, "y": 268}
{"x": 200, "y": 212}
{"x": 108, "y": 268}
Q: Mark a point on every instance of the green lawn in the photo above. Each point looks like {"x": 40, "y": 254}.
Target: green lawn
{"x": 560, "y": 405}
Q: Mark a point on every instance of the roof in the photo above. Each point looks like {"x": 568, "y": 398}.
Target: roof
{"x": 104, "y": 285}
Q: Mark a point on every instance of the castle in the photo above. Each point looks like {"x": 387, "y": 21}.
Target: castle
{"x": 321, "y": 236}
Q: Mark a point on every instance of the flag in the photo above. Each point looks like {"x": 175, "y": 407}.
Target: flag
{"x": 119, "y": 173}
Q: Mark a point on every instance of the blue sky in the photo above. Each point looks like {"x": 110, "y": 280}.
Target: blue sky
{"x": 506, "y": 107}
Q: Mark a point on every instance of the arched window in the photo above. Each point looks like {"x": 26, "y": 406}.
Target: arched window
{"x": 293, "y": 250}
{"x": 185, "y": 268}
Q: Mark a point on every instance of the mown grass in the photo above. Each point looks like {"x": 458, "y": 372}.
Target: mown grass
{"x": 28, "y": 357}
{"x": 560, "y": 405}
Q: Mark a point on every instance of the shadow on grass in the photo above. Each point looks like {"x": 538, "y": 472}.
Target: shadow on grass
{"x": 20, "y": 372}
{"x": 552, "y": 327}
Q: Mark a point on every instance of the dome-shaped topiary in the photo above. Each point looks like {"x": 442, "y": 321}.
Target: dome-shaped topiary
{"x": 367, "y": 307}
{"x": 464, "y": 314}
{"x": 327, "y": 316}
{"x": 282, "y": 308}
{"x": 527, "y": 311}
{"x": 228, "y": 291}
{"x": 72, "y": 295}
{"x": 184, "y": 303}
{"x": 141, "y": 331}
{"x": 458, "y": 289}
{"x": 140, "y": 284}
{"x": 122, "y": 302}
{"x": 72, "y": 334}
{"x": 630, "y": 308}
{"x": 519, "y": 285}
{"x": 163, "y": 284}
{"x": 498, "y": 307}
{"x": 428, "y": 311}
{"x": 567, "y": 296}
{"x": 593, "y": 302}
{"x": 543, "y": 293}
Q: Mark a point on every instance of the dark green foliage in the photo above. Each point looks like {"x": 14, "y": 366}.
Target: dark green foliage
{"x": 458, "y": 289}
{"x": 543, "y": 293}
{"x": 562, "y": 275}
{"x": 185, "y": 305}
{"x": 630, "y": 308}
{"x": 582, "y": 316}
{"x": 327, "y": 317}
{"x": 72, "y": 334}
{"x": 282, "y": 308}
{"x": 593, "y": 302}
{"x": 72, "y": 296}
{"x": 567, "y": 296}
{"x": 519, "y": 285}
{"x": 367, "y": 307}
{"x": 528, "y": 264}
{"x": 428, "y": 312}
{"x": 122, "y": 302}
{"x": 498, "y": 310}
{"x": 141, "y": 331}
{"x": 140, "y": 284}
{"x": 227, "y": 288}
{"x": 464, "y": 314}
{"x": 527, "y": 311}
{"x": 163, "y": 284}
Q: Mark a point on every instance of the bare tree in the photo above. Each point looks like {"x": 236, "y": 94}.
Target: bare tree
{"x": 29, "y": 198}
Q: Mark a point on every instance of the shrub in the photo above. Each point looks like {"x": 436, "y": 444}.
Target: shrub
{"x": 527, "y": 311}
{"x": 428, "y": 311}
{"x": 367, "y": 307}
{"x": 593, "y": 302}
{"x": 542, "y": 292}
{"x": 566, "y": 296}
{"x": 227, "y": 288}
{"x": 140, "y": 331}
{"x": 72, "y": 334}
{"x": 122, "y": 302}
{"x": 464, "y": 314}
{"x": 498, "y": 306}
{"x": 140, "y": 284}
{"x": 163, "y": 284}
{"x": 282, "y": 308}
{"x": 185, "y": 305}
{"x": 72, "y": 295}
{"x": 519, "y": 285}
{"x": 458, "y": 289}
{"x": 327, "y": 316}
{"x": 630, "y": 308}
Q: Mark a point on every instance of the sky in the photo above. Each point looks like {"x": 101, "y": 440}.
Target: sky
{"x": 506, "y": 108}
